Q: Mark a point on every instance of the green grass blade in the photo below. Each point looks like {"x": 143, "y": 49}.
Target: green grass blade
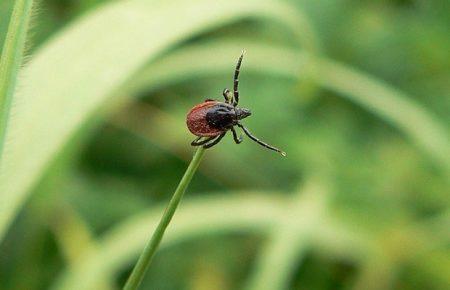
{"x": 196, "y": 61}
{"x": 143, "y": 263}
{"x": 78, "y": 72}
{"x": 390, "y": 104}
{"x": 11, "y": 59}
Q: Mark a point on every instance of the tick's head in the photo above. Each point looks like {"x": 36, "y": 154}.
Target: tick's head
{"x": 242, "y": 113}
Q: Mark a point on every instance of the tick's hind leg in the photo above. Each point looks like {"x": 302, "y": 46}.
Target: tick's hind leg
{"x": 198, "y": 141}
{"x": 214, "y": 142}
{"x": 264, "y": 144}
{"x": 235, "y": 137}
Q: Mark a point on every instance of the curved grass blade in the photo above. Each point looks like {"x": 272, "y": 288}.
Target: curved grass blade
{"x": 392, "y": 105}
{"x": 85, "y": 65}
{"x": 11, "y": 59}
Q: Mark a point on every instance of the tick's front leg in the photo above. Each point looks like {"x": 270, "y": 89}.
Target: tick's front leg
{"x": 209, "y": 145}
{"x": 198, "y": 141}
{"x": 235, "y": 137}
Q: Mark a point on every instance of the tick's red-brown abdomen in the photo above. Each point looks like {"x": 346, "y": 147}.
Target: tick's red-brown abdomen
{"x": 197, "y": 123}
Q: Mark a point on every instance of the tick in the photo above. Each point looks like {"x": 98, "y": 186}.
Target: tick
{"x": 212, "y": 119}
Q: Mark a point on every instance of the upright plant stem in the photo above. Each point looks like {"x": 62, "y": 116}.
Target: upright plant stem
{"x": 11, "y": 59}
{"x": 147, "y": 255}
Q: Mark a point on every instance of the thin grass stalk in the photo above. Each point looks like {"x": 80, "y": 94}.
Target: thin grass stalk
{"x": 150, "y": 249}
{"x": 11, "y": 59}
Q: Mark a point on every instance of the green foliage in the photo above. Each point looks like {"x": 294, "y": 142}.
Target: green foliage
{"x": 11, "y": 59}
{"x": 71, "y": 75}
{"x": 356, "y": 92}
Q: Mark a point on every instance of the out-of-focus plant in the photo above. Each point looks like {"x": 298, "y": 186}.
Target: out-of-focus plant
{"x": 356, "y": 92}
{"x": 71, "y": 75}
{"x": 11, "y": 59}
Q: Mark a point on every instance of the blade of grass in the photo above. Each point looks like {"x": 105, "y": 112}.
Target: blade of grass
{"x": 11, "y": 59}
{"x": 196, "y": 61}
{"x": 135, "y": 279}
{"x": 88, "y": 63}
{"x": 390, "y": 104}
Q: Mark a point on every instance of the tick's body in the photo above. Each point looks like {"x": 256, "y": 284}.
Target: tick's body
{"x": 197, "y": 122}
{"x": 212, "y": 119}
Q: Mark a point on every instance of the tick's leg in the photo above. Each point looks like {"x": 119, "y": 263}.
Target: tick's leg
{"x": 235, "y": 137}
{"x": 247, "y": 132}
{"x": 228, "y": 96}
{"x": 209, "y": 145}
{"x": 198, "y": 141}
{"x": 236, "y": 79}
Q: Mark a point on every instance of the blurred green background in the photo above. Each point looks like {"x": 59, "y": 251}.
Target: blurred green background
{"x": 356, "y": 92}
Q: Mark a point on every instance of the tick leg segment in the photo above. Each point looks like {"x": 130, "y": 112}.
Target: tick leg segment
{"x": 247, "y": 132}
{"x": 236, "y": 79}
{"x": 228, "y": 96}
{"x": 209, "y": 145}
{"x": 198, "y": 141}
{"x": 235, "y": 137}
